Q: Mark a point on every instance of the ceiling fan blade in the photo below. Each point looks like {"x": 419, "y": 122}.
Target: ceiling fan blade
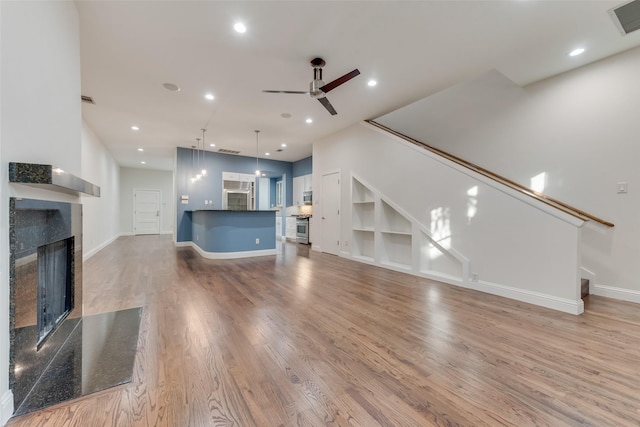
{"x": 340, "y": 80}
{"x": 300, "y": 92}
{"x": 328, "y": 106}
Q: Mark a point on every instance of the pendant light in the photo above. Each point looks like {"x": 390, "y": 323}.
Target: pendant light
{"x": 257, "y": 166}
{"x": 203, "y": 171}
{"x": 193, "y": 148}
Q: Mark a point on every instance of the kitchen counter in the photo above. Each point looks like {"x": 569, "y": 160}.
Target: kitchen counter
{"x": 225, "y": 234}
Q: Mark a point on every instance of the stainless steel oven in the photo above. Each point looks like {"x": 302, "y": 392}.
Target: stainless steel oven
{"x": 302, "y": 230}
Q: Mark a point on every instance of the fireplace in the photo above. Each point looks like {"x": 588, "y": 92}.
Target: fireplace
{"x": 55, "y": 286}
{"x": 45, "y": 272}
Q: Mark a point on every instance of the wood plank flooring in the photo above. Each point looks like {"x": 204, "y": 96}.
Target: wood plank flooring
{"x": 310, "y": 339}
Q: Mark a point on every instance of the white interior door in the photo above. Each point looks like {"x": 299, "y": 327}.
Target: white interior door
{"x": 331, "y": 213}
{"x": 146, "y": 211}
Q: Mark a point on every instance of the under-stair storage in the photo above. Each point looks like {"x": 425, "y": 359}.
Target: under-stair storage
{"x": 434, "y": 258}
{"x": 363, "y": 222}
{"x": 382, "y": 234}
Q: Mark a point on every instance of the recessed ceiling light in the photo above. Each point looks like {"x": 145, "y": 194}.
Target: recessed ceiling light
{"x": 285, "y": 115}
{"x": 267, "y": 154}
{"x": 309, "y": 120}
{"x": 212, "y": 145}
{"x": 283, "y": 145}
{"x": 140, "y": 149}
{"x": 143, "y": 162}
{"x": 135, "y": 128}
{"x": 240, "y": 28}
{"x": 171, "y": 87}
{"x": 372, "y": 82}
{"x": 576, "y": 52}
{"x": 210, "y": 96}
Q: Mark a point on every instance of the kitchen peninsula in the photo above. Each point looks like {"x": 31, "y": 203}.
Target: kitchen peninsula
{"x": 226, "y": 234}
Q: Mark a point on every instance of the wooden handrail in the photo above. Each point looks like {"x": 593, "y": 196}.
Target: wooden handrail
{"x": 568, "y": 209}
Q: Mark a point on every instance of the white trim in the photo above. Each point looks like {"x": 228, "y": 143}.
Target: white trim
{"x": 229, "y": 255}
{"x": 166, "y": 232}
{"x": 92, "y": 252}
{"x": 6, "y": 407}
{"x": 548, "y": 301}
{"x": 126, "y": 233}
{"x": 183, "y": 244}
{"x": 629, "y": 295}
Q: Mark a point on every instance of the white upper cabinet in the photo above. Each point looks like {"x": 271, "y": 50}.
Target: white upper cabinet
{"x": 300, "y": 185}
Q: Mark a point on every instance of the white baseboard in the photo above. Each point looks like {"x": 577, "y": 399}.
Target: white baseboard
{"x": 92, "y": 252}
{"x": 167, "y": 232}
{"x": 531, "y": 297}
{"x": 126, "y": 233}
{"x": 629, "y": 295}
{"x": 229, "y": 255}
{"x": 182, "y": 244}
{"x": 6, "y": 407}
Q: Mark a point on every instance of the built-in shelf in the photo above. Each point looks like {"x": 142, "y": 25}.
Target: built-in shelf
{"x": 360, "y": 193}
{"x": 384, "y": 235}
{"x": 51, "y": 178}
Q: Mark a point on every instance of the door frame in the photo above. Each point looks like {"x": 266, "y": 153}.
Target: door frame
{"x": 339, "y": 231}
{"x": 133, "y": 209}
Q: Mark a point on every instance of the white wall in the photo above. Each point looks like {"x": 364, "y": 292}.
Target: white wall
{"x": 516, "y": 247}
{"x": 145, "y": 179}
{"x": 101, "y": 215}
{"x": 581, "y": 129}
{"x": 40, "y": 121}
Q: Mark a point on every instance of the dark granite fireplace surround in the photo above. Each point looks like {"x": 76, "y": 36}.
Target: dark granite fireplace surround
{"x": 34, "y": 224}
{"x": 55, "y": 353}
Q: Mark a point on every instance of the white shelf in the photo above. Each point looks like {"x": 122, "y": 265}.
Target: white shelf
{"x": 367, "y": 230}
{"x": 360, "y": 193}
{"x": 401, "y": 233}
{"x": 396, "y": 250}
{"x": 363, "y": 244}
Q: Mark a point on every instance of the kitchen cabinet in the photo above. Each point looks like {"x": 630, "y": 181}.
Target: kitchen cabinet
{"x": 291, "y": 228}
{"x": 300, "y": 185}
{"x": 298, "y": 189}
{"x": 278, "y": 227}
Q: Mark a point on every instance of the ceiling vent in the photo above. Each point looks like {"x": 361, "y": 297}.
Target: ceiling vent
{"x": 225, "y": 151}
{"x": 87, "y": 99}
{"x": 627, "y": 17}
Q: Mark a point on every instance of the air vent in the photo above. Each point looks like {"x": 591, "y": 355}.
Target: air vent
{"x": 627, "y": 17}
{"x": 225, "y": 151}
{"x": 87, "y": 99}
{"x": 279, "y": 150}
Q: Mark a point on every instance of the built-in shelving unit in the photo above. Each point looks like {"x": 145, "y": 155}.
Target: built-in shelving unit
{"x": 363, "y": 222}
{"x": 383, "y": 234}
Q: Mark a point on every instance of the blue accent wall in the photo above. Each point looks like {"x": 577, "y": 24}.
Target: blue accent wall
{"x": 234, "y": 231}
{"x": 210, "y": 186}
{"x": 303, "y": 167}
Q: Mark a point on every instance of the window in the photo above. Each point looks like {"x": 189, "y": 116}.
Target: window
{"x": 279, "y": 194}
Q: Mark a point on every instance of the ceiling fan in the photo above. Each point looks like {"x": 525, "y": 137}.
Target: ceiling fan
{"x": 317, "y": 88}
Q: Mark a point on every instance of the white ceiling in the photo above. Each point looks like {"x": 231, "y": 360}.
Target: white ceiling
{"x": 414, "y": 49}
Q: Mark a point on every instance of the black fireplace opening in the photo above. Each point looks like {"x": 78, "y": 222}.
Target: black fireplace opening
{"x": 55, "y": 286}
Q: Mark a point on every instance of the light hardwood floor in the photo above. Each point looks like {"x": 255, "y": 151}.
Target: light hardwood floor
{"x": 309, "y": 339}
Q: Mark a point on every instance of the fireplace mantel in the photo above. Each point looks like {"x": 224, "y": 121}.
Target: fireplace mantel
{"x": 50, "y": 177}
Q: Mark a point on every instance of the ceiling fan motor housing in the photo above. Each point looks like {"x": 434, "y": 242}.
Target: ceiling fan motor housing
{"x": 314, "y": 89}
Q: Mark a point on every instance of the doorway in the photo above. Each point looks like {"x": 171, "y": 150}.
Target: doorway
{"x": 331, "y": 213}
{"x": 146, "y": 211}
